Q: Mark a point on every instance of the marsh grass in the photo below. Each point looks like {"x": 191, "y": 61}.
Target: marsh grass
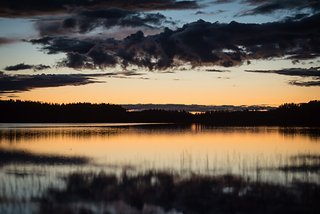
{"x": 303, "y": 163}
{"x": 163, "y": 192}
{"x": 198, "y": 185}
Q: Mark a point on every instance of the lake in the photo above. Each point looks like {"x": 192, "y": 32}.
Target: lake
{"x": 35, "y": 157}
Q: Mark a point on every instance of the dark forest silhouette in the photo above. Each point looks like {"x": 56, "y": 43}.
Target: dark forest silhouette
{"x": 304, "y": 114}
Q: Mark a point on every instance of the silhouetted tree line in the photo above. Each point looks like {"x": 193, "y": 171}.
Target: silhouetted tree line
{"x": 26, "y": 111}
{"x": 305, "y": 114}
{"x": 37, "y": 112}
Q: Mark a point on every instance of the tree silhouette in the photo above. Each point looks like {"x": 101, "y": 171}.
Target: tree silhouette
{"x": 14, "y": 111}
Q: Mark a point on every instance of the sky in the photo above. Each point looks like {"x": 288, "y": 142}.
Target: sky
{"x": 220, "y": 52}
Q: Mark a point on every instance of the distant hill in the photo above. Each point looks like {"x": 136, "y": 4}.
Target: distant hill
{"x": 194, "y": 107}
{"x": 303, "y": 114}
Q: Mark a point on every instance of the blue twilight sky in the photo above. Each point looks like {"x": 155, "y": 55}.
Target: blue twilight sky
{"x": 160, "y": 51}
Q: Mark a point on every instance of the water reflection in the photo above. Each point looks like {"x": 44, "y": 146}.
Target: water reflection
{"x": 21, "y": 132}
{"x": 34, "y": 157}
{"x": 311, "y": 133}
{"x": 21, "y": 157}
{"x": 167, "y": 146}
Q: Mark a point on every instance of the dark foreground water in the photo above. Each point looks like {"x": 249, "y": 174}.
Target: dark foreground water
{"x": 148, "y": 168}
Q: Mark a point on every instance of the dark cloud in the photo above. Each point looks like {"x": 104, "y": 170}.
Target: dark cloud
{"x": 19, "y": 8}
{"x": 95, "y": 58}
{"x": 80, "y": 53}
{"x": 301, "y": 72}
{"x": 297, "y": 57}
{"x": 223, "y": 1}
{"x": 305, "y": 83}
{"x": 41, "y": 67}
{"x": 18, "y": 83}
{"x": 218, "y": 71}
{"x": 101, "y": 58}
{"x": 55, "y": 45}
{"x": 271, "y": 6}
{"x": 296, "y": 17}
{"x": 313, "y": 72}
{"x": 47, "y": 27}
{"x": 200, "y": 12}
{"x": 88, "y": 20}
{"x": 197, "y": 43}
{"x": 23, "y": 66}
{"x": 76, "y": 60}
{"x": 17, "y": 67}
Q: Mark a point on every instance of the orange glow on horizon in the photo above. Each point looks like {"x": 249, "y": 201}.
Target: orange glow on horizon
{"x": 183, "y": 87}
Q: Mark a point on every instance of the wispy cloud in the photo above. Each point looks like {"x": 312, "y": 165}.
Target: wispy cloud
{"x": 211, "y": 13}
{"x": 313, "y": 72}
{"x": 216, "y": 70}
{"x": 305, "y": 83}
{"x": 22, "y": 66}
{"x": 19, "y": 83}
{"x": 301, "y": 72}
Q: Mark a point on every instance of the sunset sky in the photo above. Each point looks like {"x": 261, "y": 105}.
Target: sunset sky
{"x": 237, "y": 52}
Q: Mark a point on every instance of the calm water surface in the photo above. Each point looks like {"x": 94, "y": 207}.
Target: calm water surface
{"x": 254, "y": 152}
{"x": 164, "y": 146}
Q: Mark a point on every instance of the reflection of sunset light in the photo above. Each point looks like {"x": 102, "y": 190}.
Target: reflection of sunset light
{"x": 172, "y": 148}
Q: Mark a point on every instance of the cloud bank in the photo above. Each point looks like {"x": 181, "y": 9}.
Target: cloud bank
{"x": 198, "y": 43}
{"x": 85, "y": 21}
{"x": 19, "y": 8}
